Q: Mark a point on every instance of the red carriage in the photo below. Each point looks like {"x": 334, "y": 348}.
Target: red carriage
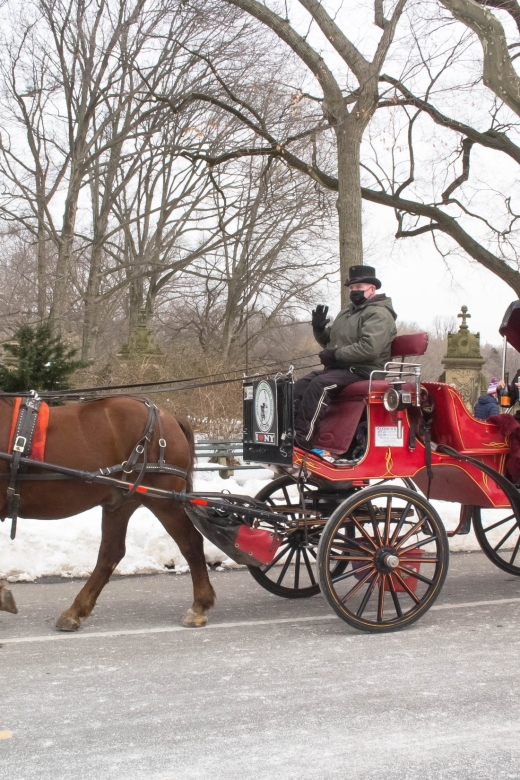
{"x": 361, "y": 526}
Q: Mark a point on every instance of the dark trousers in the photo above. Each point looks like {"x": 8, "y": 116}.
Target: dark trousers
{"x": 312, "y": 394}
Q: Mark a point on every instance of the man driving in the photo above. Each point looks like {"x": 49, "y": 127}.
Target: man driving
{"x": 357, "y": 343}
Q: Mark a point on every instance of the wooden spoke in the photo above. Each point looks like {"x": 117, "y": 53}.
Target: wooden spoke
{"x": 285, "y": 567}
{"x": 351, "y": 573}
{"x": 400, "y": 523}
{"x": 275, "y": 560}
{"x": 297, "y": 569}
{"x": 504, "y": 539}
{"x": 366, "y": 597}
{"x": 388, "y": 520}
{"x": 357, "y": 587}
{"x": 375, "y": 524}
{"x": 515, "y": 551}
{"x": 308, "y": 565}
{"x": 413, "y": 530}
{"x": 367, "y": 536}
{"x": 405, "y": 586}
{"x": 395, "y": 598}
{"x": 415, "y": 545}
{"x": 499, "y": 522}
{"x": 416, "y": 574}
{"x": 381, "y": 599}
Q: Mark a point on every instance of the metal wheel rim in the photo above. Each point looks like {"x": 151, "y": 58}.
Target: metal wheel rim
{"x": 370, "y": 594}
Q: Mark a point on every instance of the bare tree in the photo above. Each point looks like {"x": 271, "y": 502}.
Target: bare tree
{"x": 262, "y": 275}
{"x": 345, "y": 110}
{"x": 469, "y": 209}
{"x": 73, "y": 93}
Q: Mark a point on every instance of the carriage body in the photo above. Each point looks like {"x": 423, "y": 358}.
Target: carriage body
{"x": 388, "y": 457}
{"x": 351, "y": 512}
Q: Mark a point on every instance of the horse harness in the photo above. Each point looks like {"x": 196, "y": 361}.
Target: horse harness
{"x": 137, "y": 460}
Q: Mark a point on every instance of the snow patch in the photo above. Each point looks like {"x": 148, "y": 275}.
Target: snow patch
{"x": 69, "y": 548}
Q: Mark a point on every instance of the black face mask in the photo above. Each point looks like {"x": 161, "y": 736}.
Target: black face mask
{"x": 357, "y": 297}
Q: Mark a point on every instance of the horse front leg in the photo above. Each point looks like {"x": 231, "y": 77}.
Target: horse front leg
{"x": 191, "y": 544}
{"x": 112, "y": 549}
{"x": 7, "y": 603}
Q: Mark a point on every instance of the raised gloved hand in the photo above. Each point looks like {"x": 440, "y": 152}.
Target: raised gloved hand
{"x": 319, "y": 317}
{"x": 327, "y": 357}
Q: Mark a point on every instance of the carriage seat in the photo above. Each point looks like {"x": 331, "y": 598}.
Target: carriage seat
{"x": 338, "y": 427}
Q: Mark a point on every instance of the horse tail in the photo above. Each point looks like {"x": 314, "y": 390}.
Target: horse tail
{"x": 187, "y": 430}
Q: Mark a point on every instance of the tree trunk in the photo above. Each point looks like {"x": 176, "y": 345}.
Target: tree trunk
{"x": 42, "y": 270}
{"x": 59, "y": 298}
{"x": 348, "y": 138}
{"x": 90, "y": 321}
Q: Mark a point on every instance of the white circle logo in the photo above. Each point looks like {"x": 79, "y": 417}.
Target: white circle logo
{"x": 264, "y": 406}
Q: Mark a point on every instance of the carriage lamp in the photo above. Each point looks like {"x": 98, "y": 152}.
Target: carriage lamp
{"x": 396, "y": 399}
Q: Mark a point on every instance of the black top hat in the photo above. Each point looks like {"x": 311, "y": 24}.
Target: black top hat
{"x": 362, "y": 273}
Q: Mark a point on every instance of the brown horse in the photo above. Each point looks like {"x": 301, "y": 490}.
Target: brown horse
{"x": 94, "y": 435}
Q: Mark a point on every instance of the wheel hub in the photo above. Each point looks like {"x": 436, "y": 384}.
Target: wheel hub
{"x": 386, "y": 559}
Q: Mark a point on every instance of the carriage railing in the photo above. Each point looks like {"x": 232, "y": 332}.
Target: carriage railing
{"x": 396, "y": 372}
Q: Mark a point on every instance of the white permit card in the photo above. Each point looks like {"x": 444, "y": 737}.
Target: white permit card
{"x": 386, "y": 436}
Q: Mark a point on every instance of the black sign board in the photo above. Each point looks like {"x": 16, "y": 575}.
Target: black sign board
{"x": 268, "y": 421}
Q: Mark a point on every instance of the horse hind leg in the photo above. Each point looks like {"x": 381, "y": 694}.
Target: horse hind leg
{"x": 191, "y": 544}
{"x": 7, "y": 603}
{"x": 114, "y": 525}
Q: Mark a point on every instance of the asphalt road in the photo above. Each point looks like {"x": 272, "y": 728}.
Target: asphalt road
{"x": 270, "y": 689}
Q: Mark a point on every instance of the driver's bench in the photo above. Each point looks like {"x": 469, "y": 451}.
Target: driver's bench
{"x": 344, "y": 414}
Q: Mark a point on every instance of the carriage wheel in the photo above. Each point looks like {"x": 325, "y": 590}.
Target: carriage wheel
{"x": 396, "y": 553}
{"x": 292, "y": 573}
{"x": 498, "y": 534}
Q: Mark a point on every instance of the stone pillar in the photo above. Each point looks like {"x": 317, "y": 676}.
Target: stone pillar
{"x": 463, "y": 362}
{"x": 141, "y": 341}
{"x": 9, "y": 360}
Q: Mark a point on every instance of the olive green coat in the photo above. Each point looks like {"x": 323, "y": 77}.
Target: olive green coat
{"x": 362, "y": 335}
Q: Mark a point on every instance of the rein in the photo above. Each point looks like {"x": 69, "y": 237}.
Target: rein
{"x": 81, "y": 392}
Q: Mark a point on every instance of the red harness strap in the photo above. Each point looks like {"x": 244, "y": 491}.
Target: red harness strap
{"x": 40, "y": 433}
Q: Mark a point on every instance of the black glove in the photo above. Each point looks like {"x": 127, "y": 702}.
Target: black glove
{"x": 319, "y": 317}
{"x": 327, "y": 357}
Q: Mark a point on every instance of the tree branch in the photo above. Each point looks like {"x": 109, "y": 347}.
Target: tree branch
{"x": 499, "y": 74}
{"x": 491, "y": 139}
{"x": 315, "y": 63}
{"x": 511, "y": 6}
{"x": 464, "y": 176}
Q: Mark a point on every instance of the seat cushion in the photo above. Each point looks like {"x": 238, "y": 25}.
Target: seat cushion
{"x": 343, "y": 416}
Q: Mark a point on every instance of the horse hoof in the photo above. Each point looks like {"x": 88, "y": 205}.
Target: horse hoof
{"x": 193, "y": 620}
{"x": 66, "y": 623}
{"x": 7, "y": 603}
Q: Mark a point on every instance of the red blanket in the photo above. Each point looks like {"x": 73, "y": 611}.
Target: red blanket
{"x": 40, "y": 434}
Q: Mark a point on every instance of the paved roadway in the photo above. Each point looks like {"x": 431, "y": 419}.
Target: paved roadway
{"x": 273, "y": 689}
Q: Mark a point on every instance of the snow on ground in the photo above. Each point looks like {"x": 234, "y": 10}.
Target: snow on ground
{"x": 68, "y": 548}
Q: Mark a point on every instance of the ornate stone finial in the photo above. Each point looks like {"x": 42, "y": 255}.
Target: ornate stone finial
{"x": 463, "y": 361}
{"x": 464, "y": 314}
{"x": 141, "y": 341}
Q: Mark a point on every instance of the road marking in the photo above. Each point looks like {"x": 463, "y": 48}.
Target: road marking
{"x": 6, "y": 734}
{"x": 62, "y": 637}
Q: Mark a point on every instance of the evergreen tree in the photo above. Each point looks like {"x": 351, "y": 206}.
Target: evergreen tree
{"x": 44, "y": 361}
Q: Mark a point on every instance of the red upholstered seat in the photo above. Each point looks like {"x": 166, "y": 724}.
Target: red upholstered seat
{"x": 409, "y": 344}
{"x": 339, "y": 425}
